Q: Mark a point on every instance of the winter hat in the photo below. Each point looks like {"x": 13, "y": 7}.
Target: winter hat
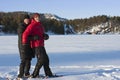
{"x": 26, "y": 16}
{"x": 36, "y": 15}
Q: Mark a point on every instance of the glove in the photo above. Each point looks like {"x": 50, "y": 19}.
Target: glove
{"x": 46, "y": 36}
{"x": 36, "y": 37}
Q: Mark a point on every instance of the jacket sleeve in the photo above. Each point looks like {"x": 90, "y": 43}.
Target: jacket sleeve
{"x": 20, "y": 29}
{"x": 26, "y": 34}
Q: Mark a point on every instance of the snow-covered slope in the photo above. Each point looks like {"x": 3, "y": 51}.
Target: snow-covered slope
{"x": 103, "y": 28}
{"x": 77, "y": 57}
{"x": 52, "y": 16}
{"x": 68, "y": 29}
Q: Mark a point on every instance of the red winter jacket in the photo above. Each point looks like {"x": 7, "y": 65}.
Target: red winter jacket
{"x": 35, "y": 28}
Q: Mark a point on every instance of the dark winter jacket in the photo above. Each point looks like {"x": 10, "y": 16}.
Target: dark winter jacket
{"x": 25, "y": 51}
{"x": 21, "y": 28}
{"x": 34, "y": 29}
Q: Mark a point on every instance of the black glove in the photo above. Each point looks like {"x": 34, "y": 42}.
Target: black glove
{"x": 46, "y": 36}
{"x": 36, "y": 37}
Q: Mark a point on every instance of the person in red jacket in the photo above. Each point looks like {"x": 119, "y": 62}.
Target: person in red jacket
{"x": 36, "y": 29}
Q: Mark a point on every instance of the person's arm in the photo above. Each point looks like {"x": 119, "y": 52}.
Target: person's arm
{"x": 20, "y": 29}
{"x": 46, "y": 36}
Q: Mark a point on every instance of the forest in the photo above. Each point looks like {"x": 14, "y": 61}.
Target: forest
{"x": 11, "y": 20}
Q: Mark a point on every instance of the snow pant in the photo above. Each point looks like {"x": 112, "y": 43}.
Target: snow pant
{"x": 26, "y": 57}
{"x": 42, "y": 60}
{"x": 24, "y": 67}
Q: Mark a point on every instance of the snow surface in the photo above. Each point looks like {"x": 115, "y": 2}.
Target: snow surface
{"x": 77, "y": 57}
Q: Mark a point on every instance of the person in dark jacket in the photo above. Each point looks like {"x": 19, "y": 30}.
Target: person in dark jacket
{"x": 25, "y": 55}
{"x": 36, "y": 29}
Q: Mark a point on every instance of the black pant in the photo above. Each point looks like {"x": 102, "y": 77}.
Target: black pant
{"x": 42, "y": 60}
{"x": 25, "y": 63}
{"x": 24, "y": 67}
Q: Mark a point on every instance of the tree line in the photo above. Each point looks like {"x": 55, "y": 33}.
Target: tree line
{"x": 81, "y": 25}
{"x": 11, "y": 21}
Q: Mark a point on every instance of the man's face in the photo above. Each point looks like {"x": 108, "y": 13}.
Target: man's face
{"x": 37, "y": 19}
{"x": 26, "y": 21}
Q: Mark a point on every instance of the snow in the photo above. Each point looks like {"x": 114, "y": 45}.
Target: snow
{"x": 77, "y": 57}
{"x": 68, "y": 29}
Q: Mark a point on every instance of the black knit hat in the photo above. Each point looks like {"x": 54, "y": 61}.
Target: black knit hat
{"x": 26, "y": 16}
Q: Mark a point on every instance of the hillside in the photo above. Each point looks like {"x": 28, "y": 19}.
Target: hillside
{"x": 101, "y": 24}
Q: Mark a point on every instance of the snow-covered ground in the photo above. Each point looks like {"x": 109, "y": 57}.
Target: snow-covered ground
{"x": 77, "y": 57}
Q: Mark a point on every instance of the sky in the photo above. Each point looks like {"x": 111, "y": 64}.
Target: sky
{"x": 70, "y": 9}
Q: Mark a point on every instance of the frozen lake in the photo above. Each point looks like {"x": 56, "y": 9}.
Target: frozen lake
{"x": 81, "y": 53}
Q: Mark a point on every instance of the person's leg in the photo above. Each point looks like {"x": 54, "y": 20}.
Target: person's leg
{"x": 39, "y": 63}
{"x": 29, "y": 55}
{"x": 21, "y": 69}
{"x": 27, "y": 66}
{"x": 46, "y": 67}
{"x": 22, "y": 63}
